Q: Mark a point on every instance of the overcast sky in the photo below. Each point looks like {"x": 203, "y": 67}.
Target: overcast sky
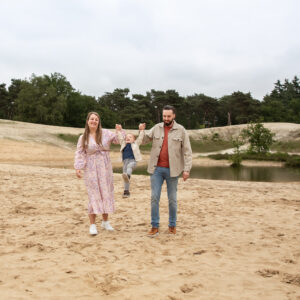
{"x": 213, "y": 47}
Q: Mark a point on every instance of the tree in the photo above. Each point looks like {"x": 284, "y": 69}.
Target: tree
{"x": 241, "y": 108}
{"x": 144, "y": 110}
{"x": 282, "y": 104}
{"x": 13, "y": 92}
{"x": 78, "y": 106}
{"x": 259, "y": 137}
{"x": 119, "y": 103}
{"x": 43, "y": 99}
{"x": 236, "y": 158}
{"x": 4, "y": 102}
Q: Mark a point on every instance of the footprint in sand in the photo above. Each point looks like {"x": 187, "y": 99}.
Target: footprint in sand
{"x": 267, "y": 272}
{"x": 188, "y": 288}
{"x": 284, "y": 277}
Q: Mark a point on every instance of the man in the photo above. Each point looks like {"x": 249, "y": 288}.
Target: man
{"x": 170, "y": 155}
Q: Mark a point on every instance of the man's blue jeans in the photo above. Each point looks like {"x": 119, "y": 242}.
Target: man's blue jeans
{"x": 157, "y": 179}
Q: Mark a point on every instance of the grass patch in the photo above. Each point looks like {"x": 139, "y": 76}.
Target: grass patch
{"x": 209, "y": 145}
{"x": 197, "y": 146}
{"x": 73, "y": 139}
{"x": 290, "y": 146}
{"x": 293, "y": 161}
{"x": 70, "y": 138}
{"x": 290, "y": 160}
{"x": 7, "y": 122}
{"x": 254, "y": 156}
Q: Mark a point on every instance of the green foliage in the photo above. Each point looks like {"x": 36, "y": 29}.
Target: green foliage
{"x": 259, "y": 137}
{"x": 236, "y": 158}
{"x": 51, "y": 99}
{"x": 43, "y": 99}
{"x": 283, "y": 103}
{"x": 215, "y": 137}
{"x": 3, "y": 102}
{"x": 281, "y": 157}
{"x": 241, "y": 108}
{"x": 293, "y": 161}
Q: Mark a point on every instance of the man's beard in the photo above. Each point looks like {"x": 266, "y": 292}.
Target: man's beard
{"x": 168, "y": 123}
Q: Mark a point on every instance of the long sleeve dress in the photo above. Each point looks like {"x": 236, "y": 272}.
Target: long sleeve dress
{"x": 98, "y": 173}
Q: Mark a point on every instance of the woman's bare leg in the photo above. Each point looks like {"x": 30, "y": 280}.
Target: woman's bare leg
{"x": 92, "y": 218}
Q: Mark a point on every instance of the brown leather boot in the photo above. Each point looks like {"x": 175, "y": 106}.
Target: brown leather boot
{"x": 172, "y": 230}
{"x": 153, "y": 232}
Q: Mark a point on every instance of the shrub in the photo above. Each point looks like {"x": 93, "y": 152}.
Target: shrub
{"x": 259, "y": 137}
{"x": 236, "y": 158}
{"x": 215, "y": 137}
{"x": 293, "y": 161}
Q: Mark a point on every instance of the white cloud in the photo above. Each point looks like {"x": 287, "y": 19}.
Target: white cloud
{"x": 214, "y": 47}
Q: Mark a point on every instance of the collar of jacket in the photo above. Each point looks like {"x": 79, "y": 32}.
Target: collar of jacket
{"x": 175, "y": 125}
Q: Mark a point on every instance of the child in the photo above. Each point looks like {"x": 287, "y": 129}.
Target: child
{"x": 130, "y": 156}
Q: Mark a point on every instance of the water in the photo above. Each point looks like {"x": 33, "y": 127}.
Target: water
{"x": 244, "y": 173}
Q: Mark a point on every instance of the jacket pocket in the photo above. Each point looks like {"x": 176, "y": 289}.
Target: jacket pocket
{"x": 177, "y": 139}
{"x": 156, "y": 140}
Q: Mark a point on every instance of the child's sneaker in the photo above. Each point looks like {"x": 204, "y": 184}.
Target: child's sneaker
{"x": 126, "y": 194}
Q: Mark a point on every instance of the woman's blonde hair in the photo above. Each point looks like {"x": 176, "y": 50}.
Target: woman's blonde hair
{"x": 86, "y": 134}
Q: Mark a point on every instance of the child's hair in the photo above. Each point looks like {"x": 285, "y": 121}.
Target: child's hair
{"x": 134, "y": 137}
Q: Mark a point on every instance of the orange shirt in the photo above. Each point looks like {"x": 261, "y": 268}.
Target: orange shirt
{"x": 163, "y": 160}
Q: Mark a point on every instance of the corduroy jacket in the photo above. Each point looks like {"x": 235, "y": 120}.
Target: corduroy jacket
{"x": 179, "y": 148}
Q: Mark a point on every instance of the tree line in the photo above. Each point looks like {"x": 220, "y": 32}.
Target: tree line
{"x": 52, "y": 100}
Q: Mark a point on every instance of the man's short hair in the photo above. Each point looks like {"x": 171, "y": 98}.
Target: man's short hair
{"x": 169, "y": 107}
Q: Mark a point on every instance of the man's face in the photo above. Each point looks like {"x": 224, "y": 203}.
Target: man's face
{"x": 168, "y": 117}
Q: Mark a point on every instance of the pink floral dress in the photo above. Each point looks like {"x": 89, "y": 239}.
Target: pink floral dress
{"x": 98, "y": 174}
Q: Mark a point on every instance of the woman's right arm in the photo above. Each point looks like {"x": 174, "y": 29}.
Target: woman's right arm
{"x": 80, "y": 158}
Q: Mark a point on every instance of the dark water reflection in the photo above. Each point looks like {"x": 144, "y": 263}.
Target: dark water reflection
{"x": 244, "y": 173}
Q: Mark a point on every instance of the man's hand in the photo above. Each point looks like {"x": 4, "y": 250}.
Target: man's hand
{"x": 142, "y": 126}
{"x": 78, "y": 173}
{"x": 118, "y": 127}
{"x": 185, "y": 175}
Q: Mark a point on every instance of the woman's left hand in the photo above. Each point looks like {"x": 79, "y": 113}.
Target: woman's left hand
{"x": 78, "y": 173}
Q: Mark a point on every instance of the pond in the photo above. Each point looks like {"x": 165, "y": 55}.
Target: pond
{"x": 244, "y": 173}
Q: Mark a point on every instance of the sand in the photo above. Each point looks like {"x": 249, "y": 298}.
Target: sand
{"x": 235, "y": 240}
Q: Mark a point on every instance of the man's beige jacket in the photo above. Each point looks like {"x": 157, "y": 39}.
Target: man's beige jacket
{"x": 179, "y": 148}
{"x": 134, "y": 146}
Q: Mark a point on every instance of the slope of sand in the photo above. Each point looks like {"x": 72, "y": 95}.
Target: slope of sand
{"x": 45, "y": 133}
{"x": 235, "y": 240}
{"x": 282, "y": 131}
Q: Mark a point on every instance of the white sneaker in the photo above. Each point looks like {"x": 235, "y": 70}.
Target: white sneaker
{"x": 107, "y": 226}
{"x": 93, "y": 229}
{"x": 103, "y": 224}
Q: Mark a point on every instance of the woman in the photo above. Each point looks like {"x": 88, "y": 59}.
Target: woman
{"x": 92, "y": 155}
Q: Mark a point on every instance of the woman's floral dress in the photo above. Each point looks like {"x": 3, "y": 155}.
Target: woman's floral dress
{"x": 98, "y": 174}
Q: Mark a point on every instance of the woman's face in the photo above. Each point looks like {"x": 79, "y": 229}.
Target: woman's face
{"x": 93, "y": 122}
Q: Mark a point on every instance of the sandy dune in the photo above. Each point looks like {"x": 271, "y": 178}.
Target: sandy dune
{"x": 236, "y": 240}
{"x": 282, "y": 131}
